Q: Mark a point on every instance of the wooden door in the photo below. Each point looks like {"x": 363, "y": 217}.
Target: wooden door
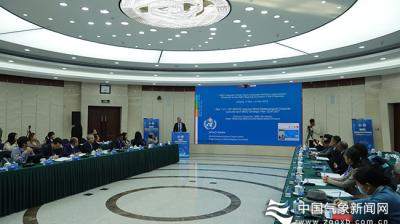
{"x": 106, "y": 120}
{"x": 396, "y": 125}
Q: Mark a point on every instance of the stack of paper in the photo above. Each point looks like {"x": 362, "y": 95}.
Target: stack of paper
{"x": 335, "y": 193}
{"x": 318, "y": 182}
{"x": 333, "y": 175}
{"x": 321, "y": 158}
{"x": 62, "y": 159}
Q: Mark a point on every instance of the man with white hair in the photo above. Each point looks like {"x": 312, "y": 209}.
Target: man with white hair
{"x": 179, "y": 126}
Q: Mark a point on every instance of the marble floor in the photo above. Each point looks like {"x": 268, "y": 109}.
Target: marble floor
{"x": 205, "y": 189}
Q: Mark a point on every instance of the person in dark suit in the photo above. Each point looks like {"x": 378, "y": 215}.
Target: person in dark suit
{"x": 179, "y": 126}
{"x": 89, "y": 145}
{"x": 53, "y": 150}
{"x": 71, "y": 148}
{"x": 50, "y": 137}
{"x": 337, "y": 163}
{"x": 138, "y": 140}
{"x": 118, "y": 142}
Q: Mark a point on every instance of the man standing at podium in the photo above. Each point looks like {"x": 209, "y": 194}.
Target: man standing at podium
{"x": 179, "y": 126}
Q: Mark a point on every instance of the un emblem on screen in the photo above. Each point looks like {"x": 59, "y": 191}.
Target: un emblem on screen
{"x": 210, "y": 124}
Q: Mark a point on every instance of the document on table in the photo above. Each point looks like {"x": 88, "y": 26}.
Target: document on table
{"x": 62, "y": 159}
{"x": 321, "y": 158}
{"x": 317, "y": 182}
{"x": 335, "y": 193}
{"x": 81, "y": 154}
{"x": 333, "y": 175}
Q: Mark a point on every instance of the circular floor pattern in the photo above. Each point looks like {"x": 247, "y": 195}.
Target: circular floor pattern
{"x": 111, "y": 204}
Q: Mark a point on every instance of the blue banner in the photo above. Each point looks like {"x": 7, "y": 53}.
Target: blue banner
{"x": 183, "y": 141}
{"x": 151, "y": 126}
{"x": 362, "y": 132}
{"x": 249, "y": 115}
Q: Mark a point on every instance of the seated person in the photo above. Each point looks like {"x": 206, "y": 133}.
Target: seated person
{"x": 53, "y": 150}
{"x": 89, "y": 145}
{"x": 22, "y": 152}
{"x": 138, "y": 140}
{"x": 324, "y": 142}
{"x": 337, "y": 163}
{"x": 152, "y": 139}
{"x": 49, "y": 138}
{"x": 371, "y": 182}
{"x": 347, "y": 182}
{"x": 11, "y": 142}
{"x": 331, "y": 146}
{"x": 125, "y": 141}
{"x": 118, "y": 142}
{"x": 396, "y": 176}
{"x": 71, "y": 148}
{"x": 33, "y": 142}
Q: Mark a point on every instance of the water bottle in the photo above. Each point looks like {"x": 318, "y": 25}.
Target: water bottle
{"x": 296, "y": 206}
{"x": 288, "y": 193}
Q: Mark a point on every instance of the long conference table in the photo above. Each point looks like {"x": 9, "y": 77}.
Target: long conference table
{"x": 33, "y": 186}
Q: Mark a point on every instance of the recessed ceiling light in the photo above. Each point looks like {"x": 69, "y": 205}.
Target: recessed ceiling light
{"x": 213, "y": 34}
{"x": 148, "y": 44}
{"x": 243, "y": 26}
{"x": 286, "y": 21}
{"x": 249, "y": 9}
{"x": 339, "y": 7}
{"x": 177, "y": 35}
{"x": 73, "y": 58}
{"x": 330, "y": 67}
{"x": 236, "y": 21}
{"x": 169, "y": 39}
{"x": 11, "y": 61}
{"x": 71, "y": 21}
{"x": 248, "y": 31}
{"x": 80, "y": 36}
{"x": 206, "y": 42}
{"x": 342, "y": 77}
{"x": 51, "y": 19}
{"x": 292, "y": 27}
{"x": 153, "y": 30}
{"x": 156, "y": 65}
{"x": 382, "y": 59}
{"x": 239, "y": 74}
{"x": 264, "y": 12}
{"x": 323, "y": 2}
{"x": 155, "y": 75}
{"x": 244, "y": 45}
{"x": 283, "y": 72}
{"x": 63, "y": 4}
{"x": 361, "y": 47}
{"x": 191, "y": 48}
{"x": 124, "y": 23}
{"x": 234, "y": 65}
{"x": 199, "y": 45}
{"x": 136, "y": 46}
{"x": 104, "y": 11}
{"x": 249, "y": 35}
{"x": 141, "y": 32}
{"x": 161, "y": 42}
{"x": 213, "y": 29}
{"x": 108, "y": 23}
{"x": 248, "y": 40}
{"x": 84, "y": 8}
{"x": 296, "y": 32}
{"x": 316, "y": 56}
{"x": 98, "y": 36}
{"x": 114, "y": 35}
{"x": 26, "y": 49}
{"x": 184, "y": 32}
{"x": 128, "y": 34}
{"x": 210, "y": 38}
{"x": 117, "y": 63}
{"x": 25, "y": 14}
{"x": 64, "y": 68}
{"x": 277, "y": 16}
{"x": 91, "y": 23}
{"x": 55, "y": 77}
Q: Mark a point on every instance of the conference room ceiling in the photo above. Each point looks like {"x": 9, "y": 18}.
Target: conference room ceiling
{"x": 258, "y": 41}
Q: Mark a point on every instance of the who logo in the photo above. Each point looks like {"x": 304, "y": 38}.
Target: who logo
{"x": 279, "y": 211}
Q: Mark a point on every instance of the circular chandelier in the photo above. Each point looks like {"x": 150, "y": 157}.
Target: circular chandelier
{"x": 176, "y": 14}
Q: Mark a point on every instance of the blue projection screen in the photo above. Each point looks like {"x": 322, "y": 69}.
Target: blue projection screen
{"x": 249, "y": 115}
